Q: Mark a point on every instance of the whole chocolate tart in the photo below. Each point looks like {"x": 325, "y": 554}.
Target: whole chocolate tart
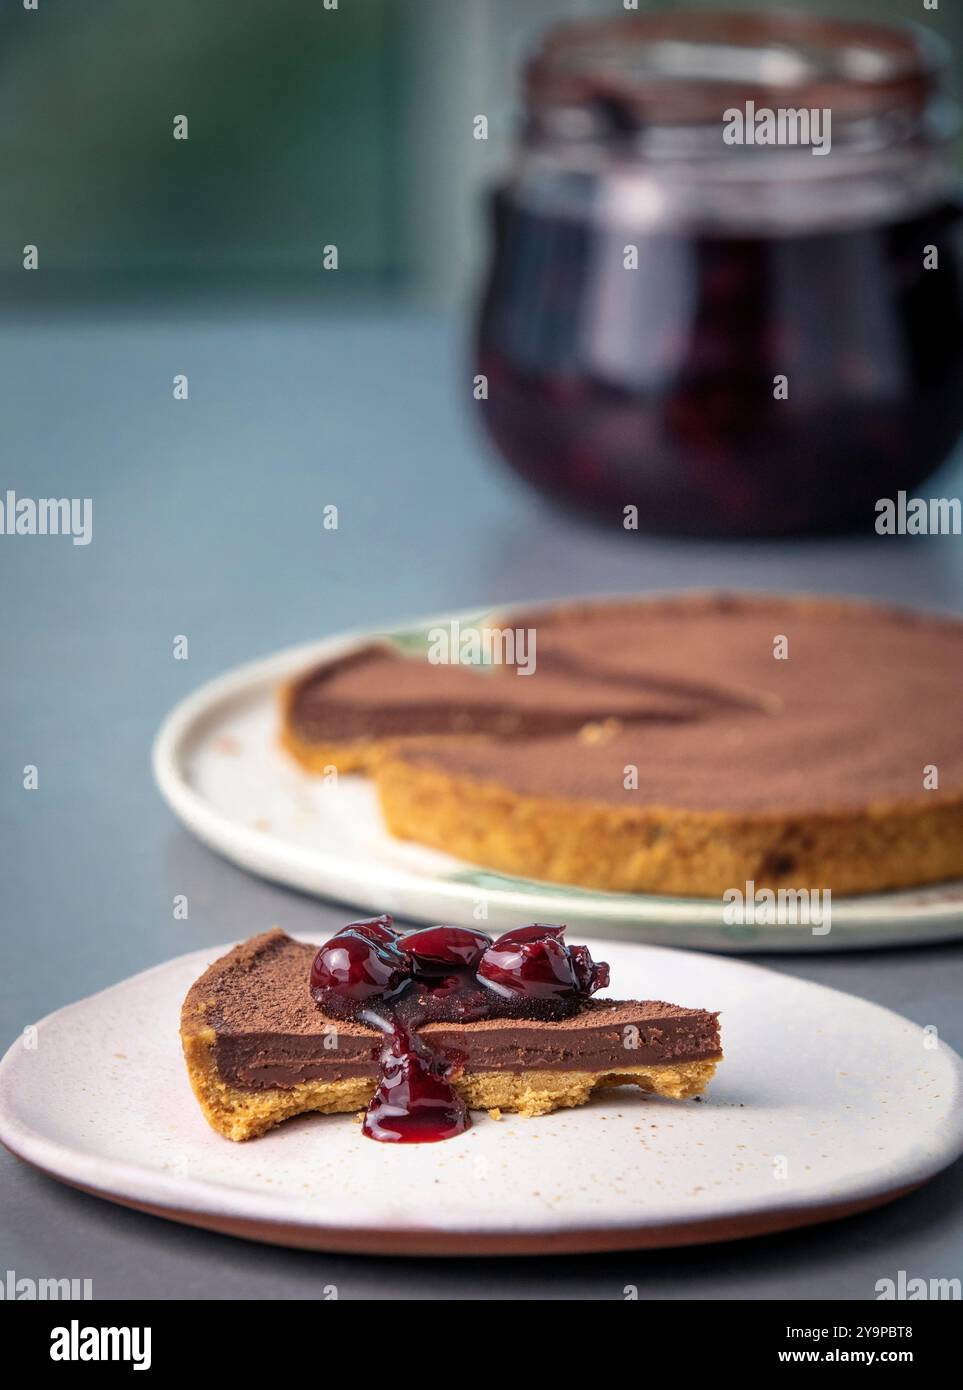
{"x": 678, "y": 745}
{"x": 269, "y": 1031}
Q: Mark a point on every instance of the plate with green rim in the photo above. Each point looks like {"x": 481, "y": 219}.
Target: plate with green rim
{"x": 218, "y": 764}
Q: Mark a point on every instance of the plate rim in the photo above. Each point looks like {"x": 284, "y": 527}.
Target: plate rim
{"x": 420, "y": 1242}
{"x": 145, "y": 1189}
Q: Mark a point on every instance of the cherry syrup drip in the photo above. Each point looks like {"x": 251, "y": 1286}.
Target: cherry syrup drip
{"x": 415, "y": 1101}
{"x": 374, "y": 974}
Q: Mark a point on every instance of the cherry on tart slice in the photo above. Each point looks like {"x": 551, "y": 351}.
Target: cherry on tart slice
{"x": 518, "y": 936}
{"x": 379, "y": 929}
{"x": 352, "y": 969}
{"x": 436, "y": 948}
{"x": 591, "y": 974}
{"x": 534, "y": 963}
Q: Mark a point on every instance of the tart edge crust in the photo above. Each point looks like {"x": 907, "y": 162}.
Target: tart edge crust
{"x": 666, "y": 850}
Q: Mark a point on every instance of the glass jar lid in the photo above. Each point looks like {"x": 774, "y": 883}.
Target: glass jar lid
{"x": 635, "y": 74}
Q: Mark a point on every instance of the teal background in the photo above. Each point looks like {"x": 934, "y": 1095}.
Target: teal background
{"x": 307, "y": 127}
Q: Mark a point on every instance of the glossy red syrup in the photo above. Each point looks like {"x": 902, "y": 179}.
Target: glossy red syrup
{"x": 374, "y": 974}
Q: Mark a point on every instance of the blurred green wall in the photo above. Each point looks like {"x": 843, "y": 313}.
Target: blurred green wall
{"x": 306, "y": 126}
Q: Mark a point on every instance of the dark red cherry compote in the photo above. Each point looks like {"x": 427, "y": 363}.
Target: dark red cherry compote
{"x": 689, "y": 334}
{"x": 372, "y": 973}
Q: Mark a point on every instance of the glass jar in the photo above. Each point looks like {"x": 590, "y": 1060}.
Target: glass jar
{"x": 733, "y": 338}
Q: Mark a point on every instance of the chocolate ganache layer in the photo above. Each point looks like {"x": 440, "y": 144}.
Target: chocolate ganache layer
{"x": 376, "y": 693}
{"x": 730, "y": 704}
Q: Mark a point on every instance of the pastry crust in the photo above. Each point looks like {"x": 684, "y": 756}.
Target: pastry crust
{"x": 356, "y": 756}
{"x": 662, "y": 849}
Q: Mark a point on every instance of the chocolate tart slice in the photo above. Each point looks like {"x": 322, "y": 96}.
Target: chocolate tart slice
{"x": 259, "y": 1050}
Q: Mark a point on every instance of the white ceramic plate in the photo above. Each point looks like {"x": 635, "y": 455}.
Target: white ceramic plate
{"x": 824, "y": 1105}
{"x": 218, "y": 764}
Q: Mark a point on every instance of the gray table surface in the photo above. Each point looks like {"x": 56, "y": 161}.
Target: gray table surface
{"x": 207, "y": 522}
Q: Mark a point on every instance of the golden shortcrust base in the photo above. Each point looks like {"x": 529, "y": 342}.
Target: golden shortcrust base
{"x": 663, "y": 849}
{"x": 240, "y": 1114}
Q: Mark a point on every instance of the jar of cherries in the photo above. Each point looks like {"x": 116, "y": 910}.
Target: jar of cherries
{"x": 726, "y": 292}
